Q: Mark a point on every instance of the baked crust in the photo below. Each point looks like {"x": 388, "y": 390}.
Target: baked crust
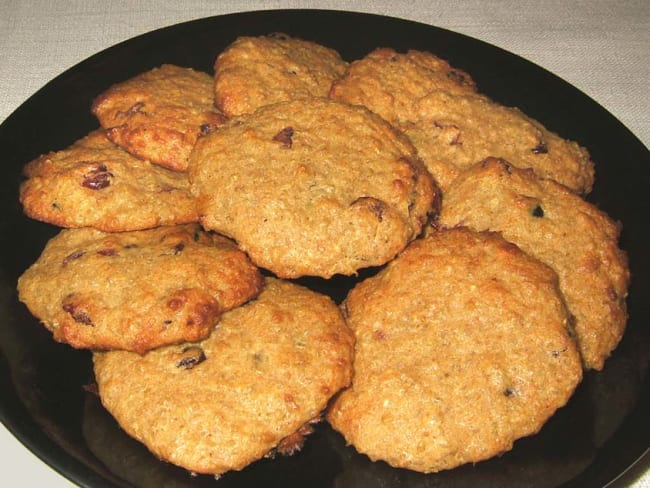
{"x": 95, "y": 183}
{"x": 257, "y": 71}
{"x": 463, "y": 346}
{"x": 158, "y": 115}
{"x": 312, "y": 187}
{"x": 569, "y": 234}
{"x": 218, "y": 405}
{"x": 136, "y": 290}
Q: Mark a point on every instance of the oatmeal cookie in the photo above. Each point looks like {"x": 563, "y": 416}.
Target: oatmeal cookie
{"x": 249, "y": 390}
{"x": 257, "y": 71}
{"x": 95, "y": 183}
{"x": 389, "y": 82}
{"x": 455, "y": 131}
{"x": 462, "y": 347}
{"x": 136, "y": 290}
{"x": 312, "y": 187}
{"x": 158, "y": 115}
{"x": 569, "y": 234}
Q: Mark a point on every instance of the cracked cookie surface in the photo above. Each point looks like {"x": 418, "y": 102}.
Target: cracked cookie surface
{"x": 571, "y": 235}
{"x": 158, "y": 115}
{"x": 95, "y": 183}
{"x": 451, "y": 124}
{"x": 453, "y": 132}
{"x": 389, "y": 82}
{"x": 312, "y": 187}
{"x": 136, "y": 290}
{"x": 250, "y": 389}
{"x": 462, "y": 347}
{"x": 257, "y": 71}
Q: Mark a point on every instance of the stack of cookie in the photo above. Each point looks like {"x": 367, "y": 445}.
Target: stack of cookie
{"x": 192, "y": 210}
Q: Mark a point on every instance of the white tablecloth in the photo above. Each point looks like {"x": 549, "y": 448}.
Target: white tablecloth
{"x": 601, "y": 46}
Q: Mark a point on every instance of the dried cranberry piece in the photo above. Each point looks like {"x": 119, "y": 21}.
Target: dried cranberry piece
{"x": 556, "y": 354}
{"x": 192, "y": 356}
{"x": 205, "y": 129}
{"x": 508, "y": 392}
{"x": 285, "y": 137}
{"x": 97, "y": 178}
{"x": 135, "y": 108}
{"x": 540, "y": 148}
{"x": 72, "y": 257}
{"x": 80, "y": 316}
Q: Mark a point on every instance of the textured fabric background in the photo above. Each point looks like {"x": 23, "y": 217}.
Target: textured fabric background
{"x": 601, "y": 46}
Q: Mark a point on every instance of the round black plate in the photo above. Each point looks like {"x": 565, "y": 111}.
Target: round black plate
{"x": 599, "y": 435}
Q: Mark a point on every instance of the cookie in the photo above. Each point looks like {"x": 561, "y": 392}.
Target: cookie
{"x": 158, "y": 115}
{"x": 455, "y": 131}
{"x": 312, "y": 187}
{"x": 136, "y": 290}
{"x": 95, "y": 183}
{"x": 462, "y": 347}
{"x": 249, "y": 390}
{"x": 571, "y": 235}
{"x": 389, "y": 82}
{"x": 257, "y": 71}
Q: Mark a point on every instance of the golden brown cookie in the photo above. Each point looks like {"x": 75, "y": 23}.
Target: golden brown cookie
{"x": 159, "y": 114}
{"x": 462, "y": 347}
{"x": 389, "y": 82}
{"x": 257, "y": 71}
{"x": 94, "y": 183}
{"x": 312, "y": 187}
{"x": 136, "y": 290}
{"x": 572, "y": 236}
{"x": 249, "y": 390}
{"x": 455, "y": 131}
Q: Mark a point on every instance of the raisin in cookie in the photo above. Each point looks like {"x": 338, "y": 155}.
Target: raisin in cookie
{"x": 136, "y": 290}
{"x": 95, "y": 183}
{"x": 157, "y": 115}
{"x": 389, "y": 83}
{"x": 312, "y": 187}
{"x": 462, "y": 347}
{"x": 572, "y": 236}
{"x": 455, "y": 131}
{"x": 257, "y": 71}
{"x": 249, "y": 390}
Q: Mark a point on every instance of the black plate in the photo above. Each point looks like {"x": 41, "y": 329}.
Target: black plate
{"x": 599, "y": 435}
